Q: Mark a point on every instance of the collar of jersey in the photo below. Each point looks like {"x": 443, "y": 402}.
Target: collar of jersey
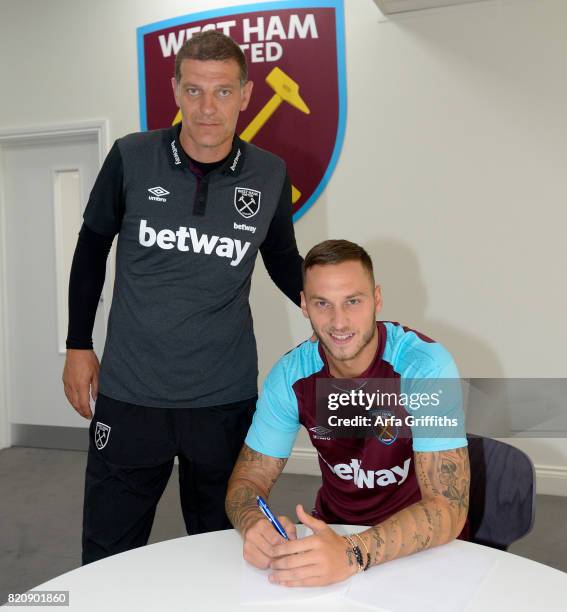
{"x": 232, "y": 166}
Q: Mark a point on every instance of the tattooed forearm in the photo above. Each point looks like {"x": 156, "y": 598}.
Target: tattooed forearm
{"x": 350, "y": 556}
{"x": 377, "y": 543}
{"x": 444, "y": 479}
{"x": 455, "y": 481}
{"x": 241, "y": 507}
{"x": 254, "y": 474}
{"x": 415, "y": 528}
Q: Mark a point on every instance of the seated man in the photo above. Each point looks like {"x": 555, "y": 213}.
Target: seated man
{"x": 412, "y": 505}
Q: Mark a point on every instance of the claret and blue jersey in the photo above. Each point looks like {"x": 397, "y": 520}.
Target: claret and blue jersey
{"x": 365, "y": 480}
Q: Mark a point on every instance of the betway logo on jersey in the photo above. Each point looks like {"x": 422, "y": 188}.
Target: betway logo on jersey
{"x": 199, "y": 243}
{"x": 370, "y": 478}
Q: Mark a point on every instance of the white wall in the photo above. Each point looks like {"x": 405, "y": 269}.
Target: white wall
{"x": 452, "y": 170}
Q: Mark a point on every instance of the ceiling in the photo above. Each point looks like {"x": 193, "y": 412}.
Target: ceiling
{"x": 390, "y": 7}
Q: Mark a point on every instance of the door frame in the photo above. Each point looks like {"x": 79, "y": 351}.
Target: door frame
{"x": 54, "y": 133}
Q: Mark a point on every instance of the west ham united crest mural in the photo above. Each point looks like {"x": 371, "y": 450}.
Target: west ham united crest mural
{"x": 295, "y": 53}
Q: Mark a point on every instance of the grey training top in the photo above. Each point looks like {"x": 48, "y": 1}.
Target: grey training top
{"x": 180, "y": 332}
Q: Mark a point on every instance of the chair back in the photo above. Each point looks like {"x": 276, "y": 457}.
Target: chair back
{"x": 502, "y": 494}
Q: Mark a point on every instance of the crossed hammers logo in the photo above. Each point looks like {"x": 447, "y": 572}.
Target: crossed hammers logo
{"x": 385, "y": 432}
{"x": 247, "y": 205}
{"x": 247, "y": 201}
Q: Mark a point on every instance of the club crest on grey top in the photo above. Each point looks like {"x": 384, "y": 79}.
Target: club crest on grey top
{"x": 247, "y": 201}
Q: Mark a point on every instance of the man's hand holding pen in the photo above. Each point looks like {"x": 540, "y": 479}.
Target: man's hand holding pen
{"x": 320, "y": 559}
{"x": 261, "y": 539}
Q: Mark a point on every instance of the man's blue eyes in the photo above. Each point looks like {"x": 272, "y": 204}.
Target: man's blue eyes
{"x": 352, "y": 302}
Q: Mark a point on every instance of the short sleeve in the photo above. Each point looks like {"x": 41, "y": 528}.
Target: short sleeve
{"x": 441, "y": 381}
{"x": 276, "y": 420}
{"x": 105, "y": 207}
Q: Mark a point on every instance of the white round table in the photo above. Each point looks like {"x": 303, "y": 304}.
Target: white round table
{"x": 204, "y": 572}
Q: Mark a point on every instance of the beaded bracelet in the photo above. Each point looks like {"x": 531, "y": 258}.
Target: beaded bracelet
{"x": 357, "y": 553}
{"x": 365, "y": 548}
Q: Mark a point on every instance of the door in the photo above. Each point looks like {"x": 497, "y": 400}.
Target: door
{"x": 46, "y": 185}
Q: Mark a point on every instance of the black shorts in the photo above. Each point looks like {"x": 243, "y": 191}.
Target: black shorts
{"x": 131, "y": 454}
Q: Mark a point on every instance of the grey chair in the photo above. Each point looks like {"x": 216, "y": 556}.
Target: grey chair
{"x": 502, "y": 494}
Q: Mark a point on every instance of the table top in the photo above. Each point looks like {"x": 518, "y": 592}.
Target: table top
{"x": 204, "y": 572}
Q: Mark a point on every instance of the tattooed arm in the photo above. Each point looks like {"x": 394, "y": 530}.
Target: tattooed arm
{"x": 444, "y": 478}
{"x": 326, "y": 557}
{"x": 255, "y": 474}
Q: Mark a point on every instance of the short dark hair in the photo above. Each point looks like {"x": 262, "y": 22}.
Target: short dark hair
{"x": 332, "y": 252}
{"x": 211, "y": 45}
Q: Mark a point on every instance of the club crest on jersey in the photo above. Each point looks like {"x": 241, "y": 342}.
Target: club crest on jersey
{"x": 247, "y": 201}
{"x": 387, "y": 434}
{"x": 102, "y": 435}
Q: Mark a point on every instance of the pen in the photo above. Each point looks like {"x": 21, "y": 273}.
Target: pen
{"x": 269, "y": 515}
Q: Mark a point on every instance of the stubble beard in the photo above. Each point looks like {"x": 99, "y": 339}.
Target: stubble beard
{"x": 339, "y": 354}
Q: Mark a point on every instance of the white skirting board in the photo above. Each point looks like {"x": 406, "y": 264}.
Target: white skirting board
{"x": 550, "y": 479}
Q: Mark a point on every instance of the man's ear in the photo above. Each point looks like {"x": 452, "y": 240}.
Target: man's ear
{"x": 304, "y": 305}
{"x": 246, "y": 94}
{"x": 378, "y": 298}
{"x": 175, "y": 90}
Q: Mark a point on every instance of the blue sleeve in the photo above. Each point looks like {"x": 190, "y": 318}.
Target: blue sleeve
{"x": 276, "y": 420}
{"x": 443, "y": 376}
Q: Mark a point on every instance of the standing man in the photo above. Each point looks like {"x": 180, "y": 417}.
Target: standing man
{"x": 413, "y": 490}
{"x": 192, "y": 205}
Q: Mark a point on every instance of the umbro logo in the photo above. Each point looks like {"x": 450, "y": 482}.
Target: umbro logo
{"x": 320, "y": 432}
{"x": 158, "y": 194}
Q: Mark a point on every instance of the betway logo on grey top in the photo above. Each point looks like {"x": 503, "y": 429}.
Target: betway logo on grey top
{"x": 175, "y": 153}
{"x": 243, "y": 226}
{"x": 167, "y": 239}
{"x": 369, "y": 478}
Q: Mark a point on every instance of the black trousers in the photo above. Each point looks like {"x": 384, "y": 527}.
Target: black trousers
{"x": 131, "y": 454}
